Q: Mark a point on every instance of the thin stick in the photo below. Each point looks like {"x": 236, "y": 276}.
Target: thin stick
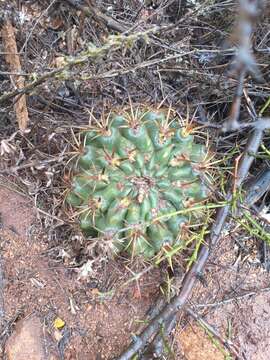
{"x": 2, "y": 308}
{"x": 93, "y": 11}
{"x": 226, "y": 343}
{"x": 232, "y": 122}
{"x": 231, "y": 299}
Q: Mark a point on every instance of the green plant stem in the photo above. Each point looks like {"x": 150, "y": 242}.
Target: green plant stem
{"x": 212, "y": 333}
{"x": 265, "y": 106}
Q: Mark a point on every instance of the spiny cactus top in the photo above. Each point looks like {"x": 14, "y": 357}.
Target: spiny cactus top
{"x": 133, "y": 175}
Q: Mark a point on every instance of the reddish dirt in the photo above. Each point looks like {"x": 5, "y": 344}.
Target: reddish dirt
{"x": 227, "y": 277}
{"x": 95, "y": 327}
{"x": 194, "y": 344}
{"x": 29, "y": 341}
{"x": 16, "y": 212}
{"x": 98, "y": 326}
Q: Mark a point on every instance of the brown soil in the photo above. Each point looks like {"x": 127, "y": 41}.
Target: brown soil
{"x": 99, "y": 326}
{"x": 16, "y": 212}
{"x": 195, "y": 344}
{"x": 242, "y": 320}
{"x": 29, "y": 340}
{"x": 96, "y": 327}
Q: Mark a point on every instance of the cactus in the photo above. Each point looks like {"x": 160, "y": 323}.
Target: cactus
{"x": 133, "y": 175}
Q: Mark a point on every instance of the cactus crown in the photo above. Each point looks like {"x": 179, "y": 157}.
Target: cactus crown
{"x": 135, "y": 170}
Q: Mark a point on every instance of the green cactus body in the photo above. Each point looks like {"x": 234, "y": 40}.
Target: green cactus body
{"x": 133, "y": 179}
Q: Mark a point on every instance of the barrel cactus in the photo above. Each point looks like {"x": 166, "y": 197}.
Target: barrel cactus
{"x": 134, "y": 175}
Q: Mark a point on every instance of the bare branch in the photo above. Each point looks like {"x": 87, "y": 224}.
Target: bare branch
{"x": 93, "y": 11}
{"x": 244, "y": 61}
{"x": 189, "y": 281}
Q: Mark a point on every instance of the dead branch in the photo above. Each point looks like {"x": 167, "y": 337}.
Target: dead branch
{"x": 232, "y": 123}
{"x": 93, "y": 11}
{"x": 13, "y": 60}
{"x": 258, "y": 187}
{"x": 156, "y": 348}
{"x": 158, "y": 343}
{"x": 259, "y": 124}
{"x": 244, "y": 60}
{"x": 211, "y": 241}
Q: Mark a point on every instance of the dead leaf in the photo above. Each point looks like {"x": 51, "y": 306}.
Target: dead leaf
{"x": 265, "y": 213}
{"x": 73, "y": 307}
{"x": 57, "y": 335}
{"x": 59, "y": 61}
{"x": 55, "y": 23}
{"x": 85, "y": 270}
{"x": 6, "y": 148}
{"x": 72, "y": 35}
{"x": 137, "y": 293}
{"x": 95, "y": 292}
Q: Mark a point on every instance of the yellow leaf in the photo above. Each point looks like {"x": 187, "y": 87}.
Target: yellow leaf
{"x": 59, "y": 323}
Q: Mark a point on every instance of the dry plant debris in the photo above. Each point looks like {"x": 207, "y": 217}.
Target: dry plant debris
{"x": 13, "y": 59}
{"x": 181, "y": 63}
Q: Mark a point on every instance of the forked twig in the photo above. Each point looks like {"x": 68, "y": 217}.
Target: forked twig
{"x": 212, "y": 239}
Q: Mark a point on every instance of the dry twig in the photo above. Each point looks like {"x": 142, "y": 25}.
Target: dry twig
{"x": 2, "y": 309}
{"x": 189, "y": 281}
{"x": 226, "y": 343}
{"x": 93, "y": 11}
{"x": 244, "y": 60}
{"x": 232, "y": 299}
